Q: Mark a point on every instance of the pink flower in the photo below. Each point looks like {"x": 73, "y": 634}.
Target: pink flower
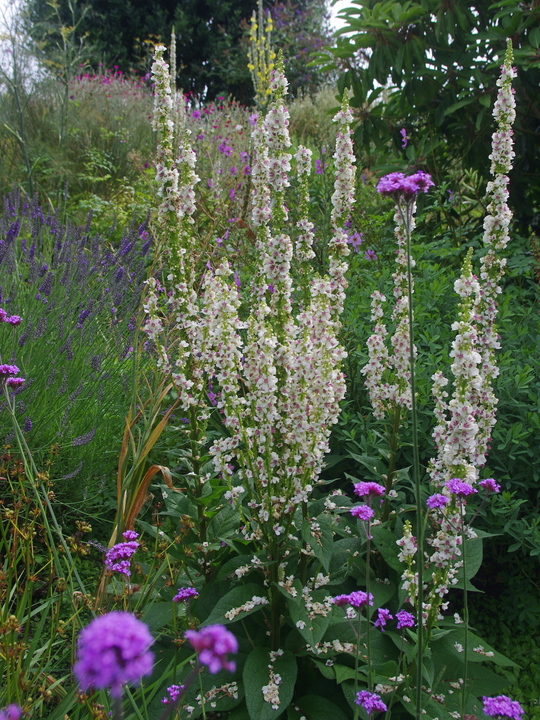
{"x": 490, "y": 485}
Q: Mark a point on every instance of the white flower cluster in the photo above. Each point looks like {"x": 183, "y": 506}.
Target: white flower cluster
{"x": 280, "y": 381}
{"x": 465, "y": 422}
{"x": 388, "y": 374}
{"x": 246, "y": 607}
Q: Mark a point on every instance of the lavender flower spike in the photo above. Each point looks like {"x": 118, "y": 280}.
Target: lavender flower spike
{"x": 113, "y": 650}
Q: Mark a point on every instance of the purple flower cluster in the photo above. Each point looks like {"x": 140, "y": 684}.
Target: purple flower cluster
{"x": 11, "y": 319}
{"x": 383, "y": 616}
{"x": 437, "y": 501}
{"x": 117, "y": 558}
{"x": 11, "y": 712}
{"x": 502, "y": 707}
{"x": 404, "y": 619}
{"x": 362, "y": 512}
{"x": 114, "y": 649}
{"x": 7, "y": 373}
{"x": 356, "y": 599}
{"x": 212, "y": 644}
{"x": 184, "y": 594}
{"x": 371, "y": 702}
{"x": 369, "y": 489}
{"x": 396, "y": 184}
{"x": 460, "y": 488}
{"x": 490, "y": 485}
{"x": 175, "y": 693}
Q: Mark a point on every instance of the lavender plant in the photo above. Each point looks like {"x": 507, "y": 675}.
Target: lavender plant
{"x": 79, "y": 299}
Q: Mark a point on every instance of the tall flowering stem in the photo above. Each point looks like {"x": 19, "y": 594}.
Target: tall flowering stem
{"x": 403, "y": 391}
{"x": 278, "y": 370}
{"x": 465, "y": 422}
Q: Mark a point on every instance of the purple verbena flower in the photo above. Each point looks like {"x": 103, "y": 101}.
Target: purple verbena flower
{"x": 369, "y": 489}
{"x": 370, "y": 255}
{"x": 404, "y": 619}
{"x": 396, "y": 184}
{"x": 212, "y": 643}
{"x": 371, "y": 702}
{"x": 460, "y": 488}
{"x": 437, "y": 501}
{"x": 253, "y": 118}
{"x": 175, "y": 692}
{"x": 490, "y": 485}
{"x": 6, "y": 370}
{"x": 502, "y": 707}
{"x": 362, "y": 512}
{"x": 117, "y": 558}
{"x": 356, "y": 599}
{"x": 184, "y": 594}
{"x": 114, "y": 649}
{"x": 15, "y": 382}
{"x": 383, "y": 616}
{"x": 130, "y": 535}
{"x": 11, "y": 712}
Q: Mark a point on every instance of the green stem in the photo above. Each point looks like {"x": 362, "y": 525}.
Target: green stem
{"x": 464, "y": 692}
{"x": 407, "y": 218}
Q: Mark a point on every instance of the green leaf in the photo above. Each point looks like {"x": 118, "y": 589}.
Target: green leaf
{"x": 316, "y": 707}
{"x": 257, "y": 676}
{"x": 158, "y": 615}
{"x": 311, "y": 629}
{"x": 224, "y": 524}
{"x": 385, "y": 542}
{"x": 320, "y": 540}
{"x": 235, "y": 598}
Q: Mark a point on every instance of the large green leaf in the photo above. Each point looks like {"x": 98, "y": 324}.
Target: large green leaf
{"x": 235, "y": 598}
{"x": 320, "y": 539}
{"x": 257, "y": 676}
{"x": 316, "y": 707}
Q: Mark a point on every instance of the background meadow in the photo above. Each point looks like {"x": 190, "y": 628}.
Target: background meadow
{"x": 114, "y": 429}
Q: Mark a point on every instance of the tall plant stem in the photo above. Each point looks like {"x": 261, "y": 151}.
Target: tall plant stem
{"x": 464, "y": 692}
{"x": 393, "y": 442}
{"x": 406, "y": 214}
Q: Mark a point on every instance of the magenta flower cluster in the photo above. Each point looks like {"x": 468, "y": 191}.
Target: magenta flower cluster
{"x": 212, "y": 644}
{"x": 362, "y": 512}
{"x": 11, "y": 712}
{"x": 371, "y": 702}
{"x": 437, "y": 501}
{"x": 114, "y": 649}
{"x": 369, "y": 489}
{"x": 184, "y": 594}
{"x": 460, "y": 488}
{"x": 404, "y": 619}
{"x": 117, "y": 558}
{"x": 7, "y": 376}
{"x": 357, "y": 599}
{"x": 502, "y": 707}
{"x": 175, "y": 693}
{"x": 11, "y": 319}
{"x": 397, "y": 184}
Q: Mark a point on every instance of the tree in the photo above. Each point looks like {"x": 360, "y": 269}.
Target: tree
{"x": 211, "y": 36}
{"x": 429, "y": 68}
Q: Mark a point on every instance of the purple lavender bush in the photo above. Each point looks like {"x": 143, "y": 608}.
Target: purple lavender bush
{"x": 77, "y": 295}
